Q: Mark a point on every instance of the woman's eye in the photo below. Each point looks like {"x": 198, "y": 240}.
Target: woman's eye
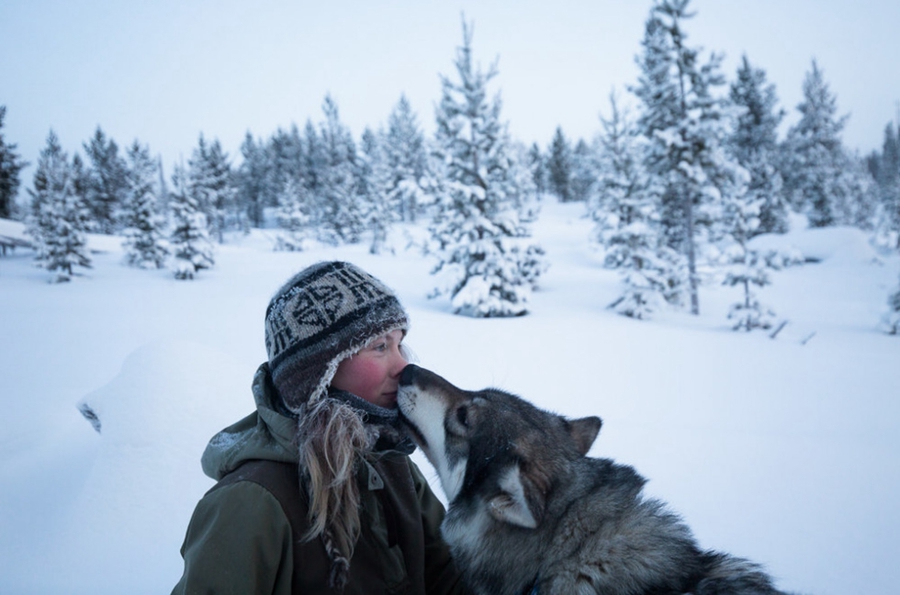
{"x": 462, "y": 416}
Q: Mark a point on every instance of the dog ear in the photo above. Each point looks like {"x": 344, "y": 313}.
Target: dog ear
{"x": 584, "y": 431}
{"x": 517, "y": 504}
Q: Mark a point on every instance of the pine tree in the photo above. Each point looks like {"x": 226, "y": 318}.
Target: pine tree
{"x": 107, "y": 183}
{"x": 888, "y": 170}
{"x": 584, "y": 171}
{"x": 58, "y": 216}
{"x": 162, "y": 205}
{"x": 298, "y": 166}
{"x": 490, "y": 266}
{"x": 190, "y": 241}
{"x": 856, "y": 200}
{"x": 559, "y": 166}
{"x": 294, "y": 217}
{"x": 757, "y": 125}
{"x": 378, "y": 181}
{"x": 315, "y": 164}
{"x": 10, "y": 166}
{"x": 527, "y": 202}
{"x": 252, "y": 181}
{"x": 282, "y": 162}
{"x": 651, "y": 273}
{"x": 622, "y": 188}
{"x": 888, "y": 179}
{"x": 339, "y": 191}
{"x": 746, "y": 267}
{"x": 406, "y": 157}
{"x": 626, "y": 218}
{"x": 755, "y": 145}
{"x": 887, "y": 175}
{"x": 686, "y": 125}
{"x": 815, "y": 153}
{"x": 538, "y": 165}
{"x": 81, "y": 184}
{"x": 145, "y": 226}
{"x": 210, "y": 182}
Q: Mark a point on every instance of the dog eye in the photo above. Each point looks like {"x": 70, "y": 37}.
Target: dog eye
{"x": 462, "y": 416}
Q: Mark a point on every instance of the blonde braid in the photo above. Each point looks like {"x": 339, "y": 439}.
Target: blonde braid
{"x": 331, "y": 440}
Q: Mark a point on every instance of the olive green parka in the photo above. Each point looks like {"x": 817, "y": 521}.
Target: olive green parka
{"x": 245, "y": 533}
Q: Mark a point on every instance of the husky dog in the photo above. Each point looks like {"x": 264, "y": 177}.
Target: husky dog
{"x": 530, "y": 513}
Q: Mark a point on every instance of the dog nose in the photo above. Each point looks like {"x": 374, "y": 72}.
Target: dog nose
{"x": 408, "y": 375}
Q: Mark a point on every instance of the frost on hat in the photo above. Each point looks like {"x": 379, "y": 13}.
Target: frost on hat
{"x": 321, "y": 316}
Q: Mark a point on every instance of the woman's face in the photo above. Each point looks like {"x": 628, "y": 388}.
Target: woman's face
{"x": 373, "y": 372}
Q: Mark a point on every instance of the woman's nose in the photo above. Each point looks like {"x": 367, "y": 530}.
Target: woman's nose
{"x": 398, "y": 362}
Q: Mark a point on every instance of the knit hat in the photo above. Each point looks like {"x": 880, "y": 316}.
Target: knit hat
{"x": 324, "y": 314}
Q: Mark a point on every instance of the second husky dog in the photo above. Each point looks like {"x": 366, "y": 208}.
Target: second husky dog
{"x": 530, "y": 513}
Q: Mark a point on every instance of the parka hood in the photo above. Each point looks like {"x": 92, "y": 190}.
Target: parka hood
{"x": 265, "y": 434}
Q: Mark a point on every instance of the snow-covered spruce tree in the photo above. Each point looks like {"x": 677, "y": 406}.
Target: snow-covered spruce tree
{"x": 297, "y": 165}
{"x": 211, "y": 185}
{"x": 584, "y": 171}
{"x": 162, "y": 188}
{"x": 488, "y": 261}
{"x": 526, "y": 203}
{"x": 537, "y": 163}
{"x": 814, "y": 153}
{"x": 191, "y": 246}
{"x": 857, "y": 201}
{"x": 314, "y": 161}
{"x": 81, "y": 182}
{"x": 294, "y": 219}
{"x": 623, "y": 207}
{"x": 406, "y": 157}
{"x": 377, "y": 182}
{"x": 888, "y": 178}
{"x": 107, "y": 183}
{"x": 559, "y": 166}
{"x": 59, "y": 217}
{"x": 687, "y": 126}
{"x": 339, "y": 192}
{"x": 621, "y": 185}
{"x": 144, "y": 244}
{"x": 284, "y": 159}
{"x": 652, "y": 273}
{"x": 253, "y": 181}
{"x": 755, "y": 145}
{"x": 746, "y": 267}
{"x": 10, "y": 166}
{"x": 887, "y": 174}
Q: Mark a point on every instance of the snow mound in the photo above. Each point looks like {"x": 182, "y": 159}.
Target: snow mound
{"x": 835, "y": 244}
{"x": 12, "y": 235}
{"x": 14, "y": 232}
{"x": 13, "y": 229}
{"x": 155, "y": 416}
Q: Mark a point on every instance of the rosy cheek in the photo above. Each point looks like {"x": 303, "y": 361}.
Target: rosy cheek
{"x": 370, "y": 374}
{"x": 370, "y": 370}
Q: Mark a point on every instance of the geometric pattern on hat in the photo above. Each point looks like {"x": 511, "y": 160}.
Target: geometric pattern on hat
{"x": 322, "y": 315}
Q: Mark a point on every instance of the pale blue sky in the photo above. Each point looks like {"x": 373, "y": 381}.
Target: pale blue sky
{"x": 163, "y": 71}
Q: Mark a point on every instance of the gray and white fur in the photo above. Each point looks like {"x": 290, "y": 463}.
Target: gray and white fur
{"x": 529, "y": 512}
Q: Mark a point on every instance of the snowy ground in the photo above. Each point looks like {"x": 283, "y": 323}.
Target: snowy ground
{"x": 784, "y": 451}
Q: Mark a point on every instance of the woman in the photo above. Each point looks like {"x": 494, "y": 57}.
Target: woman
{"x": 316, "y": 492}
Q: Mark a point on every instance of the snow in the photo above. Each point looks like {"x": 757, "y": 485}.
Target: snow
{"x": 14, "y": 231}
{"x": 781, "y": 450}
